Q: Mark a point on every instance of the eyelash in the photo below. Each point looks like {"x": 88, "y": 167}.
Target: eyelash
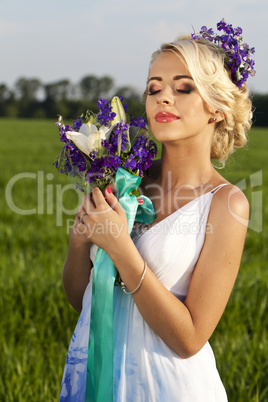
{"x": 153, "y": 92}
{"x": 185, "y": 91}
{"x": 182, "y": 91}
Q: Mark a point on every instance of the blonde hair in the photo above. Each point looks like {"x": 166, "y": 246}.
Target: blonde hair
{"x": 206, "y": 64}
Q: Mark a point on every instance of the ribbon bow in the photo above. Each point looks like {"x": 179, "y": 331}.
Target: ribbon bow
{"x": 99, "y": 384}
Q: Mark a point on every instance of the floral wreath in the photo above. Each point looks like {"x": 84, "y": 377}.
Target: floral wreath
{"x": 238, "y": 54}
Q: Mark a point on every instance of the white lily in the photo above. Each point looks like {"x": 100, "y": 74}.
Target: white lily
{"x": 89, "y": 137}
{"x": 119, "y": 110}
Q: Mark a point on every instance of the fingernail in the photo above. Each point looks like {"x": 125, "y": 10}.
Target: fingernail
{"x": 140, "y": 201}
{"x": 109, "y": 190}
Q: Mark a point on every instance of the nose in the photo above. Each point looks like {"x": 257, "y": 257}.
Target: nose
{"x": 165, "y": 96}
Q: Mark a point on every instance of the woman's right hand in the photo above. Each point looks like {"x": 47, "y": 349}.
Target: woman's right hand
{"x": 79, "y": 234}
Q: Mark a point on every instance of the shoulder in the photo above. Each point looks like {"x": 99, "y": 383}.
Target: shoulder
{"x": 232, "y": 199}
{"x": 230, "y": 206}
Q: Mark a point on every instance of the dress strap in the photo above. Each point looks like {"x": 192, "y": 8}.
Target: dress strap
{"x": 218, "y": 187}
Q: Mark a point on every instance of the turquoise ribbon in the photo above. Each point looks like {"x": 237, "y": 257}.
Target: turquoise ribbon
{"x": 99, "y": 384}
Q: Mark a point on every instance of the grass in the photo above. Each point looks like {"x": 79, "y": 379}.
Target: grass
{"x": 36, "y": 319}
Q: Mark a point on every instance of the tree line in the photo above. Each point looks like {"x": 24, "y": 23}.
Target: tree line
{"x": 33, "y": 99}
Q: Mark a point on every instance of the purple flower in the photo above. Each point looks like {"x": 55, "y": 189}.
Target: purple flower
{"x": 139, "y": 122}
{"x": 77, "y": 123}
{"x": 221, "y": 25}
{"x": 238, "y": 31}
{"x": 138, "y": 148}
{"x": 130, "y": 162}
{"x": 112, "y": 162}
{"x": 105, "y": 114}
{"x": 238, "y": 54}
{"x": 229, "y": 29}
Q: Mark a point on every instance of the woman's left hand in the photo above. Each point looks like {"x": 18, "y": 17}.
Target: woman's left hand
{"x": 104, "y": 219}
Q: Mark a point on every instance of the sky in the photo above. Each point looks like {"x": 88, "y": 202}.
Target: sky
{"x": 57, "y": 39}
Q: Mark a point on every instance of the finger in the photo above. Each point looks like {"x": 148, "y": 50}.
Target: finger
{"x": 97, "y": 196}
{"x": 88, "y": 204}
{"x": 79, "y": 215}
{"x": 113, "y": 201}
{"x": 85, "y": 201}
{"x": 80, "y": 210}
{"x": 100, "y": 201}
{"x": 113, "y": 188}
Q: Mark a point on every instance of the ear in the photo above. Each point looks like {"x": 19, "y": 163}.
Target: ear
{"x": 217, "y": 117}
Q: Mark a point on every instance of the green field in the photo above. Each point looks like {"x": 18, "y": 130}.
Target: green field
{"x": 36, "y": 320}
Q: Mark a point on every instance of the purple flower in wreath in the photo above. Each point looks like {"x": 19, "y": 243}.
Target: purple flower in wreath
{"x": 238, "y": 55}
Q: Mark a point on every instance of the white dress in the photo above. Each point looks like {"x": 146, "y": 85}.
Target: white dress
{"x": 145, "y": 368}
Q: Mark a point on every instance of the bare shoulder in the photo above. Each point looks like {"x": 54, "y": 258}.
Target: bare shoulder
{"x": 230, "y": 202}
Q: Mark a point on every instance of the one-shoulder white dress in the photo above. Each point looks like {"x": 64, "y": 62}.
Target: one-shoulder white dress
{"x": 145, "y": 368}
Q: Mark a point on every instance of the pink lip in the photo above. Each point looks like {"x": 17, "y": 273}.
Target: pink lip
{"x": 165, "y": 117}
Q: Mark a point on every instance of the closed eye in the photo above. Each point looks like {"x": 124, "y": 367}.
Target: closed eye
{"x": 150, "y": 92}
{"x": 186, "y": 90}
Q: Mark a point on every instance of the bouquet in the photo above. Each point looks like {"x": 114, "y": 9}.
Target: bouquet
{"x": 97, "y": 145}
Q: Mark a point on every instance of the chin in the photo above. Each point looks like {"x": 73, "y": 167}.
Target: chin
{"x": 166, "y": 135}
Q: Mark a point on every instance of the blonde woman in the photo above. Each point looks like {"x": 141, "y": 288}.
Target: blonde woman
{"x": 179, "y": 271}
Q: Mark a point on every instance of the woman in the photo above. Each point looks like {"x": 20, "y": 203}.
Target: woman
{"x": 180, "y": 271}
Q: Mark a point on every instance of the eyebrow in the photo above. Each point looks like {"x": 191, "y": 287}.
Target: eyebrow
{"x": 175, "y": 78}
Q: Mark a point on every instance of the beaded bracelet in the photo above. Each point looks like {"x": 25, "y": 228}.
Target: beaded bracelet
{"x": 123, "y": 286}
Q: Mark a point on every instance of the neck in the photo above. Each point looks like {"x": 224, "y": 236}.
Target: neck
{"x": 180, "y": 166}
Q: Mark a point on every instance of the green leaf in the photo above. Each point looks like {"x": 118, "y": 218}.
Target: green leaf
{"x": 135, "y": 192}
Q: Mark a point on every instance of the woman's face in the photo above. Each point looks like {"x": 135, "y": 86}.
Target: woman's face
{"x": 174, "y": 108}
